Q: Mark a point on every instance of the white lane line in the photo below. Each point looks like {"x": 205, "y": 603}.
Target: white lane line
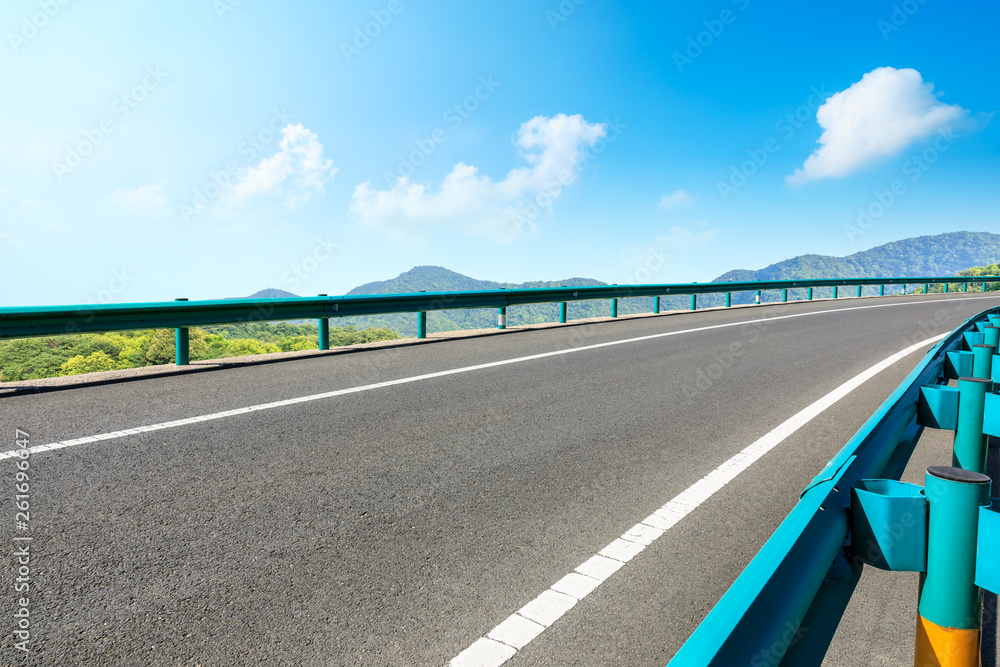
{"x": 504, "y": 641}
{"x": 455, "y": 371}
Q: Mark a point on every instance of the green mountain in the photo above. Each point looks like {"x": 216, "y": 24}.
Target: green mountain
{"x": 941, "y": 255}
{"x": 439, "y": 279}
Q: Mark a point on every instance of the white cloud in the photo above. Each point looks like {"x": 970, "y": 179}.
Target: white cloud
{"x": 145, "y": 198}
{"x": 674, "y": 200}
{"x": 473, "y": 203}
{"x": 295, "y": 172}
{"x": 879, "y": 116}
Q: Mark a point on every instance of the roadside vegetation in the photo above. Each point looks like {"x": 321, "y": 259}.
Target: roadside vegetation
{"x": 52, "y": 356}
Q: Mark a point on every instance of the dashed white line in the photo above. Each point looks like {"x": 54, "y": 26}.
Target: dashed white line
{"x": 505, "y": 640}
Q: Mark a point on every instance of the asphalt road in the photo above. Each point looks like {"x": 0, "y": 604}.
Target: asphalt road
{"x": 400, "y": 524}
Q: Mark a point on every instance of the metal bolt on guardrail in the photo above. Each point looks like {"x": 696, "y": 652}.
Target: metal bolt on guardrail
{"x": 182, "y": 345}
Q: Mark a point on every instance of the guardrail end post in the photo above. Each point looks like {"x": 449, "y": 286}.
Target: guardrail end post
{"x": 182, "y": 347}
{"x": 324, "y": 331}
{"x": 694, "y": 302}
{"x": 562, "y": 313}
{"x": 729, "y": 299}
{"x": 949, "y": 618}
{"x": 502, "y": 317}
{"x": 614, "y": 307}
{"x": 422, "y": 324}
{"x": 970, "y": 449}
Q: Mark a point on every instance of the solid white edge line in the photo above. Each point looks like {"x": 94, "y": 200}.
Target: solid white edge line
{"x": 626, "y": 547}
{"x": 455, "y": 371}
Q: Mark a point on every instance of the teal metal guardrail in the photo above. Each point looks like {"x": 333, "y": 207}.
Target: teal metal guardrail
{"x": 805, "y": 574}
{"x": 181, "y": 314}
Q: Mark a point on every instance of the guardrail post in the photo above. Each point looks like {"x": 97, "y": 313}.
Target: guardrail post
{"x": 656, "y": 305}
{"x": 729, "y": 299}
{"x": 182, "y": 347}
{"x": 810, "y": 294}
{"x": 422, "y": 324}
{"x": 756, "y": 298}
{"x": 502, "y": 317}
{"x": 945, "y": 288}
{"x": 927, "y": 288}
{"x": 881, "y": 290}
{"x": 859, "y": 291}
{"x": 965, "y": 287}
{"x": 836, "y": 291}
{"x": 991, "y": 336}
{"x": 784, "y": 295}
{"x": 694, "y": 302}
{"x": 614, "y": 307}
{"x": 562, "y": 313}
{"x": 949, "y": 619}
{"x": 324, "y": 331}
{"x": 970, "y": 443}
{"x": 982, "y": 360}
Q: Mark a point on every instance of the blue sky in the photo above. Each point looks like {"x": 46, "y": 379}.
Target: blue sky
{"x": 629, "y": 142}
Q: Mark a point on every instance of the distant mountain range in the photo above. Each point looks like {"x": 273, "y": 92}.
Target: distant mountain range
{"x": 941, "y": 255}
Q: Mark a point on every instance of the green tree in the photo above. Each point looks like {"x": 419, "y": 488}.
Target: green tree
{"x": 96, "y": 361}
